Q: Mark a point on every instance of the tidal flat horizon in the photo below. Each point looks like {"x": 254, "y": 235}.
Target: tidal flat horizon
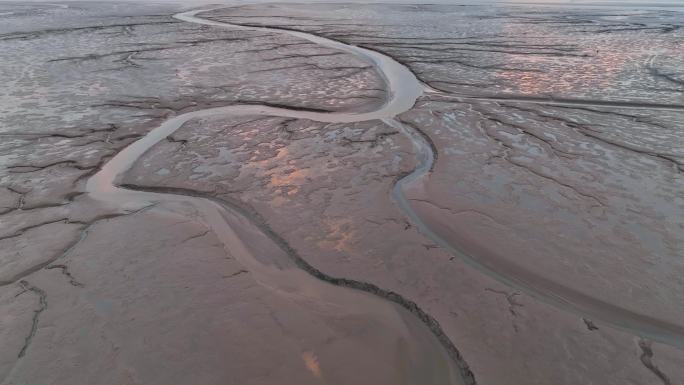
{"x": 342, "y": 192}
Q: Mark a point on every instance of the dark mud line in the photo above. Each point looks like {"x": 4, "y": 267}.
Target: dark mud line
{"x": 647, "y": 359}
{"x": 259, "y": 222}
{"x": 285, "y": 106}
{"x": 42, "y": 302}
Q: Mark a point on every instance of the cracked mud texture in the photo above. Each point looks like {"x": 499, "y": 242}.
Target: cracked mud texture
{"x": 324, "y": 187}
{"x": 73, "y": 99}
{"x": 586, "y": 196}
{"x": 77, "y": 94}
{"x": 81, "y": 83}
{"x": 587, "y": 199}
{"x": 615, "y": 53}
{"x": 169, "y": 306}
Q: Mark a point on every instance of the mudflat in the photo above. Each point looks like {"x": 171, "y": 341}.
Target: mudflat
{"x": 341, "y": 193}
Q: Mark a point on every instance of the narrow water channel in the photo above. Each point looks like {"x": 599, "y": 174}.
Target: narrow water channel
{"x": 412, "y": 341}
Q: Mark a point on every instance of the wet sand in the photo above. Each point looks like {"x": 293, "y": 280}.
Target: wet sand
{"x": 423, "y": 358}
{"x": 474, "y": 238}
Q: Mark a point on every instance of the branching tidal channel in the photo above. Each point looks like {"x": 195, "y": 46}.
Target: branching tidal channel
{"x": 225, "y": 217}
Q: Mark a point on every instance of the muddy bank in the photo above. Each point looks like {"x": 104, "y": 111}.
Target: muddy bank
{"x": 322, "y": 191}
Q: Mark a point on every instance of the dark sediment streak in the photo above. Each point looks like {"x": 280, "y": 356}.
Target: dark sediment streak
{"x": 259, "y": 222}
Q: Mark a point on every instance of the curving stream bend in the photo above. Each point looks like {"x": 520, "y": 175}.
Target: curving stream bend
{"x": 431, "y": 359}
{"x": 296, "y": 277}
{"x": 404, "y": 89}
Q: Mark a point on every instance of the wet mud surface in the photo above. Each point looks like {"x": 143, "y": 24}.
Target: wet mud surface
{"x": 603, "y": 53}
{"x": 547, "y": 239}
